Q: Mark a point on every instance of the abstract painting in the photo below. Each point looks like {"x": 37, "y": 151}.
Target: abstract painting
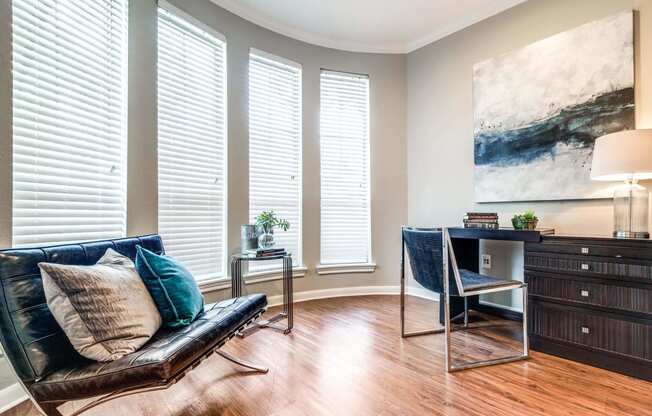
{"x": 538, "y": 110}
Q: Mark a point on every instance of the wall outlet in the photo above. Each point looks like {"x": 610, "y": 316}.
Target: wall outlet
{"x": 486, "y": 261}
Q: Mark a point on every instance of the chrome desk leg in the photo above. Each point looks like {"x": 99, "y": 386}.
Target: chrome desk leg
{"x": 526, "y": 341}
{"x": 447, "y": 312}
{"x": 402, "y": 277}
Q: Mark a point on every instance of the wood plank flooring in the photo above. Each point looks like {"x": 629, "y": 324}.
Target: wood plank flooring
{"x": 346, "y": 357}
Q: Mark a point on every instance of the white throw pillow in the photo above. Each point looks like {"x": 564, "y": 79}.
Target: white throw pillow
{"x": 105, "y": 310}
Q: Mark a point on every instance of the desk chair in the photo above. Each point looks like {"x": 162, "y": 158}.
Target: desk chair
{"x": 433, "y": 265}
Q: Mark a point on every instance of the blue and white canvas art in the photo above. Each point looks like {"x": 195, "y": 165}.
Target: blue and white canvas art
{"x": 538, "y": 111}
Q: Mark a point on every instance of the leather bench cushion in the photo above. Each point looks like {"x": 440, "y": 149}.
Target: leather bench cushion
{"x": 166, "y": 355}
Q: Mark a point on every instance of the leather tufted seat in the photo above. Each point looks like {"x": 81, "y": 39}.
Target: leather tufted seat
{"x": 166, "y": 355}
{"x": 51, "y": 369}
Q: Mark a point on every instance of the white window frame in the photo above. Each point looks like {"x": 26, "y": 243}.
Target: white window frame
{"x": 260, "y": 269}
{"x": 123, "y": 143}
{"x": 368, "y": 266}
{"x": 210, "y": 281}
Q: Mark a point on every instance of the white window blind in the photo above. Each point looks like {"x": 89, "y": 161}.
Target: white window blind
{"x": 69, "y": 79}
{"x": 275, "y": 147}
{"x": 344, "y": 146}
{"x": 191, "y": 143}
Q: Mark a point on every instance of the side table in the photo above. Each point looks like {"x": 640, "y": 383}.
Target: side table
{"x": 237, "y": 288}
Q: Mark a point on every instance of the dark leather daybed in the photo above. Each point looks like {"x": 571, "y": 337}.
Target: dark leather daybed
{"x": 50, "y": 368}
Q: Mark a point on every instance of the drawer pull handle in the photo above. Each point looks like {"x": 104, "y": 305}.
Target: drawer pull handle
{"x": 585, "y": 250}
{"x": 586, "y": 330}
{"x": 584, "y": 293}
{"x": 585, "y": 266}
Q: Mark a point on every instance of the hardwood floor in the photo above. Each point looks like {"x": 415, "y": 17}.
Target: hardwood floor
{"x": 346, "y": 357}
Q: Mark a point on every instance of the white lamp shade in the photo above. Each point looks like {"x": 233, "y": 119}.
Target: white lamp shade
{"x": 625, "y": 155}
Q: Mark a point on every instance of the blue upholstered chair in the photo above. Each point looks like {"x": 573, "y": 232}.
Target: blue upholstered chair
{"x": 433, "y": 265}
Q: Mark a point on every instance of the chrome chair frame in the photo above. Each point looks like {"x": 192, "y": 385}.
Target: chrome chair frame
{"x": 449, "y": 256}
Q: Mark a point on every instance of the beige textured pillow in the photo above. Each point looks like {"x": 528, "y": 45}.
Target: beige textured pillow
{"x": 104, "y": 309}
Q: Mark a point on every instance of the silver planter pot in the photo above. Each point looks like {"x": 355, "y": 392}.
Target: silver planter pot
{"x": 248, "y": 237}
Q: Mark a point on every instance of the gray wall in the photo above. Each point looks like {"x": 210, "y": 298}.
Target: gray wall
{"x": 440, "y": 119}
{"x": 387, "y": 118}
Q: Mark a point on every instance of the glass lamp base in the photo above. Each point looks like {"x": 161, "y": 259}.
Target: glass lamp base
{"x": 631, "y": 212}
{"x": 632, "y": 234}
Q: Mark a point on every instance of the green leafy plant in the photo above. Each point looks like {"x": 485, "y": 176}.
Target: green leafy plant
{"x": 525, "y": 221}
{"x": 268, "y": 220}
{"x": 528, "y": 216}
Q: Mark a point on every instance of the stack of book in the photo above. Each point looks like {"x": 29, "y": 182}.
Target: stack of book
{"x": 267, "y": 252}
{"x": 485, "y": 220}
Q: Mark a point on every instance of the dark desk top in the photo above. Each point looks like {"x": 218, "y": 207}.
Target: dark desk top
{"x": 597, "y": 237}
{"x": 505, "y": 234}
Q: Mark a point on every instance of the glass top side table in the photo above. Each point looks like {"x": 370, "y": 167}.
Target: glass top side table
{"x": 238, "y": 287}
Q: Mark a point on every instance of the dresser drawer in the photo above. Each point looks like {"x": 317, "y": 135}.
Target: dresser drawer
{"x": 638, "y": 270}
{"x": 601, "y": 331}
{"x": 625, "y": 298}
{"x": 615, "y": 249}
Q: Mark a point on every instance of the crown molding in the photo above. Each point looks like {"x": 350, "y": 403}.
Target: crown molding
{"x": 478, "y": 15}
{"x": 495, "y": 7}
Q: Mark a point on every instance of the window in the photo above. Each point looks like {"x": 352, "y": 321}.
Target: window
{"x": 69, "y": 102}
{"x": 344, "y": 146}
{"x": 191, "y": 143}
{"x": 275, "y": 146}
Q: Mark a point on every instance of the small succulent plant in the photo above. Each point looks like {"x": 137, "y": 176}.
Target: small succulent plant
{"x": 525, "y": 221}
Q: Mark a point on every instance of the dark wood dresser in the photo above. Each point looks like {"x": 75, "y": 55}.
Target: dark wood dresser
{"x": 590, "y": 300}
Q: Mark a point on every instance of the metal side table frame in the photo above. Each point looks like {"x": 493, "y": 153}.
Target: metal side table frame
{"x": 238, "y": 287}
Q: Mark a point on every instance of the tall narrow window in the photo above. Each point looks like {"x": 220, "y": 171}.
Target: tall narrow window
{"x": 275, "y": 145}
{"x": 344, "y": 144}
{"x": 191, "y": 142}
{"x": 69, "y": 79}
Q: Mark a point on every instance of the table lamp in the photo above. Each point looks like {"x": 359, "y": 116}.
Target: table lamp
{"x": 626, "y": 156}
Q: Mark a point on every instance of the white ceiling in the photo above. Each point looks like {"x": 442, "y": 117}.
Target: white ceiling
{"x": 390, "y": 26}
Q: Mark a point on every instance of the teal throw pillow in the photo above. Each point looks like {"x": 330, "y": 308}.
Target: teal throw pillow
{"x": 172, "y": 287}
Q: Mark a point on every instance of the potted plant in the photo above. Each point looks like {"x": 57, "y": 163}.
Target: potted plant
{"x": 525, "y": 221}
{"x": 266, "y": 221}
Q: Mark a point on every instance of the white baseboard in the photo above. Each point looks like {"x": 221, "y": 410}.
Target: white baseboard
{"x": 422, "y": 293}
{"x": 499, "y": 306}
{"x": 340, "y": 292}
{"x": 11, "y": 396}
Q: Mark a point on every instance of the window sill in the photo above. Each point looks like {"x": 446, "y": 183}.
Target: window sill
{"x": 346, "y": 268}
{"x": 210, "y": 285}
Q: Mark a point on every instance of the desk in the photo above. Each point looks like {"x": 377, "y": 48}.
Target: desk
{"x": 466, "y": 245}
